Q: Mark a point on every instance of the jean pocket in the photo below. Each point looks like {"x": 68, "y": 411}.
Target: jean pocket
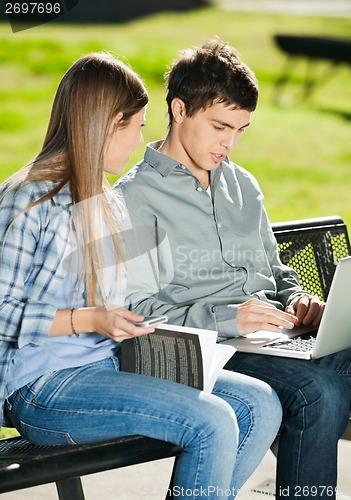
{"x": 46, "y": 437}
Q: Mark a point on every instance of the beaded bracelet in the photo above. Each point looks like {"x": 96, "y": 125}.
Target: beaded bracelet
{"x": 72, "y": 325}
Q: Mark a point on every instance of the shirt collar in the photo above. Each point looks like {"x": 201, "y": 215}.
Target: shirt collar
{"x": 63, "y": 197}
{"x": 160, "y": 162}
{"x": 165, "y": 165}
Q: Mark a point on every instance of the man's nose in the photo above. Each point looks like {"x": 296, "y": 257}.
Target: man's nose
{"x": 230, "y": 140}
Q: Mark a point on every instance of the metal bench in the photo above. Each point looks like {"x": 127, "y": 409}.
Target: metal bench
{"x": 314, "y": 49}
{"x": 313, "y": 247}
{"x": 23, "y": 464}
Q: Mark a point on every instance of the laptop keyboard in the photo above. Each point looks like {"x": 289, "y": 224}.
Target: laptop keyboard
{"x": 296, "y": 344}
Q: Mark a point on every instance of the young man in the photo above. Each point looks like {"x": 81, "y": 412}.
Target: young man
{"x": 215, "y": 247}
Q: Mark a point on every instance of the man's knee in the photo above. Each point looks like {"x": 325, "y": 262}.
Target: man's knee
{"x": 324, "y": 397}
{"x": 252, "y": 400}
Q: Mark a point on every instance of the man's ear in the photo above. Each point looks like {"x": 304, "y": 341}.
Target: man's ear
{"x": 114, "y": 124}
{"x": 178, "y": 110}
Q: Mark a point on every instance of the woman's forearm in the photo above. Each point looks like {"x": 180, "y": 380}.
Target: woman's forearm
{"x": 67, "y": 322}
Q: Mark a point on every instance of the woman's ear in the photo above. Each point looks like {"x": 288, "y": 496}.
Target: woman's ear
{"x": 178, "y": 110}
{"x": 114, "y": 124}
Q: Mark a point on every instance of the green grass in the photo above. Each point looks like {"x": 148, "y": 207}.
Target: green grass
{"x": 5, "y": 433}
{"x": 299, "y": 151}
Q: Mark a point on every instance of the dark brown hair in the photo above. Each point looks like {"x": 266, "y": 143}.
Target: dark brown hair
{"x": 213, "y": 71}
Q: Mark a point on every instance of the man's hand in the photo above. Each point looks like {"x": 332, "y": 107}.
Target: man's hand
{"x": 307, "y": 309}
{"x": 256, "y": 315}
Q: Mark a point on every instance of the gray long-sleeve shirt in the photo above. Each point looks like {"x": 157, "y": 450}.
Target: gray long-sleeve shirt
{"x": 200, "y": 250}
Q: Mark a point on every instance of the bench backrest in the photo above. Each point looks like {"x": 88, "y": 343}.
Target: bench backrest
{"x": 313, "y": 247}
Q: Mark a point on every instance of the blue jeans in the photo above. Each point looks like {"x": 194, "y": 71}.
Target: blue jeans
{"x": 224, "y": 435}
{"x": 315, "y": 396}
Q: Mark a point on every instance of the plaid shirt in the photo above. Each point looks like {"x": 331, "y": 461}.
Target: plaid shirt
{"x": 31, "y": 268}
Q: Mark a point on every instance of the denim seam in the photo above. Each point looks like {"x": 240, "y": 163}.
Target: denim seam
{"x": 252, "y": 423}
{"x": 297, "y": 481}
{"x": 198, "y": 468}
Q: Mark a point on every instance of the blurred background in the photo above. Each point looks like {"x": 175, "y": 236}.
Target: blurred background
{"x": 298, "y": 147}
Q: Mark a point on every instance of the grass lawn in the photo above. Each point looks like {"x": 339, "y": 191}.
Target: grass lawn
{"x": 299, "y": 151}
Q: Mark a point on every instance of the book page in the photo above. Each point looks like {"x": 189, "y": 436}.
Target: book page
{"x": 189, "y": 356}
{"x": 214, "y": 355}
{"x": 165, "y": 354}
{"x": 221, "y": 354}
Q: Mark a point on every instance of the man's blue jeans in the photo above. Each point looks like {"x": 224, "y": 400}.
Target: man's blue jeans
{"x": 315, "y": 396}
{"x": 98, "y": 402}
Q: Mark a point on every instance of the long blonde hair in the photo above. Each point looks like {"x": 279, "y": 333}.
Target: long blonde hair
{"x": 91, "y": 93}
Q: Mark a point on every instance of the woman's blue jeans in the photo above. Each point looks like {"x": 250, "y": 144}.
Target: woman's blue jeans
{"x": 315, "y": 396}
{"x": 224, "y": 435}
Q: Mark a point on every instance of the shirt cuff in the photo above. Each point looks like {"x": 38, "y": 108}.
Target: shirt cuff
{"x": 36, "y": 324}
{"x": 226, "y": 321}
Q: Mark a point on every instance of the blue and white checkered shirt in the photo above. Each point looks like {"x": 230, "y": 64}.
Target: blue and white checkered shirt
{"x": 32, "y": 273}
{"x": 31, "y": 269}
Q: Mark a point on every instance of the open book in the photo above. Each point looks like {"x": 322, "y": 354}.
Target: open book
{"x": 189, "y": 356}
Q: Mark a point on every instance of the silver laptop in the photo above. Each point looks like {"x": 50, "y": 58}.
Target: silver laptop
{"x": 333, "y": 334}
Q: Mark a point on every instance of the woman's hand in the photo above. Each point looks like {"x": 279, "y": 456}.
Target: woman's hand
{"x": 118, "y": 323}
{"x": 256, "y": 315}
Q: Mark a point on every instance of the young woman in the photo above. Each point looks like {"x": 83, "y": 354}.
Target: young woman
{"x": 62, "y": 282}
